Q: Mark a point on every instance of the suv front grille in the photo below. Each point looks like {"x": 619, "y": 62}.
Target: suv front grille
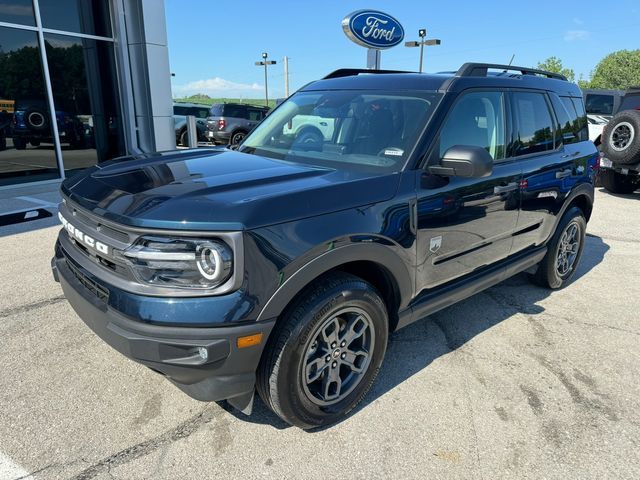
{"x": 99, "y": 291}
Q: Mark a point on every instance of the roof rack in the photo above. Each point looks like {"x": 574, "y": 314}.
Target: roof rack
{"x": 350, "y": 72}
{"x": 480, "y": 70}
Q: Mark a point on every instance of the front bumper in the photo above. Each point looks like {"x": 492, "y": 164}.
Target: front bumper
{"x": 225, "y": 372}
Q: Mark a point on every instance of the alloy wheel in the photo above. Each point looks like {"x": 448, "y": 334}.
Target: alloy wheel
{"x": 568, "y": 249}
{"x": 337, "y": 356}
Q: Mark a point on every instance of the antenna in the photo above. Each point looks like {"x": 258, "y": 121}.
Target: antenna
{"x": 512, "y": 57}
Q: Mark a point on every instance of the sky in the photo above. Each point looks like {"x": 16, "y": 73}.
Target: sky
{"x": 212, "y": 49}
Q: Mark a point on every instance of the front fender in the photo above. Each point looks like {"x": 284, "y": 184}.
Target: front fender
{"x": 371, "y": 252}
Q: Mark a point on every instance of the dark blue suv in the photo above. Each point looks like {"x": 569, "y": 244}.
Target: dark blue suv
{"x": 364, "y": 202}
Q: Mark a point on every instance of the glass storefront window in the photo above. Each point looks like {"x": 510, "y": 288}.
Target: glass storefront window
{"x": 17, "y": 11}
{"x": 27, "y": 151}
{"x": 85, "y": 94}
{"x": 80, "y": 16}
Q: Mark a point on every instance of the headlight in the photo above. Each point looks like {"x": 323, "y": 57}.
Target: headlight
{"x": 180, "y": 262}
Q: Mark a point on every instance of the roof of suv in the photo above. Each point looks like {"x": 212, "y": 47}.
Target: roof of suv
{"x": 468, "y": 76}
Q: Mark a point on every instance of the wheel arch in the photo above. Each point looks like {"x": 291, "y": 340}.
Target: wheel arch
{"x": 374, "y": 263}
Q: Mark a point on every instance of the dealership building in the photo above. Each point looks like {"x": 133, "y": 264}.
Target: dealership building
{"x": 81, "y": 82}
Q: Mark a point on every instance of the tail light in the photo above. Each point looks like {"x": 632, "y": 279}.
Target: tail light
{"x": 222, "y": 124}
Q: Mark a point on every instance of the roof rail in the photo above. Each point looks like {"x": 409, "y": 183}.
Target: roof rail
{"x": 350, "y": 72}
{"x": 480, "y": 70}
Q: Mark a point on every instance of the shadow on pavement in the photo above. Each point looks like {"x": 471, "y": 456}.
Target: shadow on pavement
{"x": 631, "y": 196}
{"x": 402, "y": 361}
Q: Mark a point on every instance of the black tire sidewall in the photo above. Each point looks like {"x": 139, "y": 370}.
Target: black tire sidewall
{"x": 631, "y": 154}
{"x": 293, "y": 402}
{"x": 234, "y": 140}
{"x": 616, "y": 182}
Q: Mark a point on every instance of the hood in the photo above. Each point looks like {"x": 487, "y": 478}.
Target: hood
{"x": 219, "y": 190}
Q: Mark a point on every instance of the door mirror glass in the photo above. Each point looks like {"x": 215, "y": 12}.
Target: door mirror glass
{"x": 464, "y": 161}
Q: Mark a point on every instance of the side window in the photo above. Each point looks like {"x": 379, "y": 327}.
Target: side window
{"x": 567, "y": 118}
{"x": 599, "y": 104}
{"x": 533, "y": 124}
{"x": 255, "y": 115}
{"x": 477, "y": 119}
{"x": 582, "y": 126}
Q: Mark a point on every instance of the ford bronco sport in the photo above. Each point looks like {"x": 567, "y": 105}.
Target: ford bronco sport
{"x": 283, "y": 264}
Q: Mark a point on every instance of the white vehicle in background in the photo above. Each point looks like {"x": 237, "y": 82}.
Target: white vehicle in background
{"x": 596, "y": 126}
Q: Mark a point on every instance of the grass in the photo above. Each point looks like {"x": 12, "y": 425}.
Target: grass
{"x": 207, "y": 100}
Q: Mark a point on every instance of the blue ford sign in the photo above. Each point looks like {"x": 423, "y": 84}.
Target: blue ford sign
{"x": 373, "y": 29}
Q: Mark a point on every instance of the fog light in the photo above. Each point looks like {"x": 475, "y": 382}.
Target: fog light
{"x": 204, "y": 354}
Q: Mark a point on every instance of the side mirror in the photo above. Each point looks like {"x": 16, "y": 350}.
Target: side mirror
{"x": 464, "y": 161}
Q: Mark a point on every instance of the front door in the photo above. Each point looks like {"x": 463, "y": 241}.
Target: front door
{"x": 464, "y": 224}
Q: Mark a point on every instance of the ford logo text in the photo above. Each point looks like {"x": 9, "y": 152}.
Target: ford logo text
{"x": 373, "y": 29}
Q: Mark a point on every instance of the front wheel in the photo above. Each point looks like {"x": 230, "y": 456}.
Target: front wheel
{"x": 325, "y": 352}
{"x": 564, "y": 251}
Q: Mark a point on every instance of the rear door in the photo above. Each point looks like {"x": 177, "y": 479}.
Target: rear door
{"x": 549, "y": 143}
{"x": 464, "y": 224}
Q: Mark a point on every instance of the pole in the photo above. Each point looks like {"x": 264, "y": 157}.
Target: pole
{"x": 421, "y": 50}
{"x": 286, "y": 77}
{"x": 266, "y": 88}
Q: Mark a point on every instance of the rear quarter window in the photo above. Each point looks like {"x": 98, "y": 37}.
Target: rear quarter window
{"x": 533, "y": 123}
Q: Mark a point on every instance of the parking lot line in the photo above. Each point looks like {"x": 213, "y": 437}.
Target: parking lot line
{"x": 9, "y": 470}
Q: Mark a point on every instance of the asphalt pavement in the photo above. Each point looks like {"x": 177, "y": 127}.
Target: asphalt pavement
{"x": 515, "y": 382}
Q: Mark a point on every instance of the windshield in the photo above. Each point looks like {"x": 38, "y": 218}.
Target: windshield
{"x": 353, "y": 128}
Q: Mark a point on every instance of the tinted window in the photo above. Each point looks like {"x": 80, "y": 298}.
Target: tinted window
{"x": 477, "y": 119}
{"x": 81, "y": 16}
{"x": 582, "y": 127}
{"x": 255, "y": 115}
{"x": 630, "y": 102}
{"x": 195, "y": 111}
{"x": 567, "y": 118}
{"x": 17, "y": 11}
{"x": 216, "y": 110}
{"x": 235, "y": 111}
{"x": 533, "y": 124}
{"x": 599, "y": 104}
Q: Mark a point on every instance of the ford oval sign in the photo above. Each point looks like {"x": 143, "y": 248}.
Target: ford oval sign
{"x": 373, "y": 29}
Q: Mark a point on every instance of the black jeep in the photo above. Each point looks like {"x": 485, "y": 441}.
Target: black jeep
{"x": 283, "y": 265}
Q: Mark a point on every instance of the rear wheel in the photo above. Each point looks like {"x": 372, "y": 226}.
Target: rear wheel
{"x": 616, "y": 182}
{"x": 237, "y": 137}
{"x": 564, "y": 251}
{"x": 325, "y": 352}
{"x": 184, "y": 138}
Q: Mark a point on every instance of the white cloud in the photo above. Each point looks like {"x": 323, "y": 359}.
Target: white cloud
{"x": 576, "y": 35}
{"x": 218, "y": 87}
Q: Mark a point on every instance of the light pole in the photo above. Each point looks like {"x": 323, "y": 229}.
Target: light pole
{"x": 422, "y": 33}
{"x": 265, "y": 62}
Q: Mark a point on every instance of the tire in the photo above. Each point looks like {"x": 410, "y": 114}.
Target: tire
{"x": 35, "y": 143}
{"x": 615, "y": 182}
{"x": 551, "y": 273}
{"x": 36, "y": 119}
{"x": 237, "y": 137}
{"x": 298, "y": 349}
{"x": 19, "y": 143}
{"x": 184, "y": 138}
{"x": 3, "y": 142}
{"x": 621, "y": 138}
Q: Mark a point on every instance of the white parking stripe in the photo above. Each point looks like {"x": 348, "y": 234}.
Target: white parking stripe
{"x": 37, "y": 201}
{"x": 9, "y": 470}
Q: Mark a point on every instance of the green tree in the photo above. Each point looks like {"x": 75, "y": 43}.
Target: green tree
{"x": 618, "y": 70}
{"x": 554, "y": 64}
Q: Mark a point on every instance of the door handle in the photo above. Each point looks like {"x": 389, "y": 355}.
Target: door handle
{"x": 505, "y": 188}
{"x": 567, "y": 155}
{"x": 564, "y": 173}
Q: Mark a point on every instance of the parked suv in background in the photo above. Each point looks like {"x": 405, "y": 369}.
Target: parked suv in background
{"x": 284, "y": 265}
{"x": 620, "y": 164}
{"x": 31, "y": 124}
{"x": 228, "y": 123}
{"x": 180, "y": 112}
